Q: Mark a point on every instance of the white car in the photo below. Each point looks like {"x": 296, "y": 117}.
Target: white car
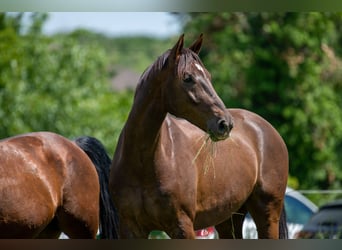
{"x": 298, "y": 210}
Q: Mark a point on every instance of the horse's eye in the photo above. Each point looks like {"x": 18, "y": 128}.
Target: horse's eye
{"x": 188, "y": 79}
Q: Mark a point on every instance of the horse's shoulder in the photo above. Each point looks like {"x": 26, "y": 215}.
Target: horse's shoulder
{"x": 181, "y": 126}
{"x": 176, "y": 122}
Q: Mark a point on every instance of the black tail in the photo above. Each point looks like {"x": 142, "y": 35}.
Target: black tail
{"x": 283, "y": 231}
{"x": 108, "y": 213}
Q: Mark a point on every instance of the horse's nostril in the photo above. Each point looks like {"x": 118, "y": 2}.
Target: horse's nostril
{"x": 223, "y": 126}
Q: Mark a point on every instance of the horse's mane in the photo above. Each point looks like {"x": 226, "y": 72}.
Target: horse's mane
{"x": 161, "y": 62}
{"x": 155, "y": 67}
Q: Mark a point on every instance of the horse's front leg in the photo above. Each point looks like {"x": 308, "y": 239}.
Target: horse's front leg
{"x": 183, "y": 228}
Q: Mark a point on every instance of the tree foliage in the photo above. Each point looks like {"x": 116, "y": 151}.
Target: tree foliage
{"x": 61, "y": 83}
{"x": 56, "y": 84}
{"x": 285, "y": 67}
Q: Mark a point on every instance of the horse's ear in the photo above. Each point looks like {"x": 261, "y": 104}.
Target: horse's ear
{"x": 177, "y": 49}
{"x": 196, "y": 46}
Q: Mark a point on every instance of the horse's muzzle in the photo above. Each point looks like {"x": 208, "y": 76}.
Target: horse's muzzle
{"x": 220, "y": 130}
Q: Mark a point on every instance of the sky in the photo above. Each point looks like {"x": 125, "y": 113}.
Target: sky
{"x": 156, "y": 24}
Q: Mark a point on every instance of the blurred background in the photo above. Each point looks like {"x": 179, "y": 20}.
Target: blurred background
{"x": 75, "y": 74}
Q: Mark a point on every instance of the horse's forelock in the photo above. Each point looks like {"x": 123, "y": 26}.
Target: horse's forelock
{"x": 187, "y": 56}
{"x": 161, "y": 62}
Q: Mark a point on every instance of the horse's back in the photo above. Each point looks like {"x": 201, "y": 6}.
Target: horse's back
{"x": 29, "y": 187}
{"x": 37, "y": 173}
{"x": 28, "y": 167}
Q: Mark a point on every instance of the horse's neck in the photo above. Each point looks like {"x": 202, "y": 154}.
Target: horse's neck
{"x": 145, "y": 119}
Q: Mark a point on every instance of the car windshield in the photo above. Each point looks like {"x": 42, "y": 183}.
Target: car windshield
{"x": 296, "y": 212}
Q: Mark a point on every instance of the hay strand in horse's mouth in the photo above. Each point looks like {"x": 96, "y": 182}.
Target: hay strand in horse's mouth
{"x": 209, "y": 159}
{"x": 200, "y": 149}
{"x": 210, "y": 154}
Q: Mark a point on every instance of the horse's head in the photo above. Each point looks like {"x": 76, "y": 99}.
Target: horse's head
{"x": 189, "y": 93}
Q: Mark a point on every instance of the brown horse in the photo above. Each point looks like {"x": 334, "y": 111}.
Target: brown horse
{"x": 183, "y": 161}
{"x": 49, "y": 185}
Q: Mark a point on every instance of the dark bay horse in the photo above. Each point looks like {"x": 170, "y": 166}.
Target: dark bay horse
{"x": 49, "y": 185}
{"x": 183, "y": 161}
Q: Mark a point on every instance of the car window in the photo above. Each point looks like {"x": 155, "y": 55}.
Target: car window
{"x": 327, "y": 217}
{"x": 296, "y": 212}
{"x": 325, "y": 224}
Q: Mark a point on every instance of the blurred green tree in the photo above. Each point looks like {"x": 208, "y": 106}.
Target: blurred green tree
{"x": 56, "y": 84}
